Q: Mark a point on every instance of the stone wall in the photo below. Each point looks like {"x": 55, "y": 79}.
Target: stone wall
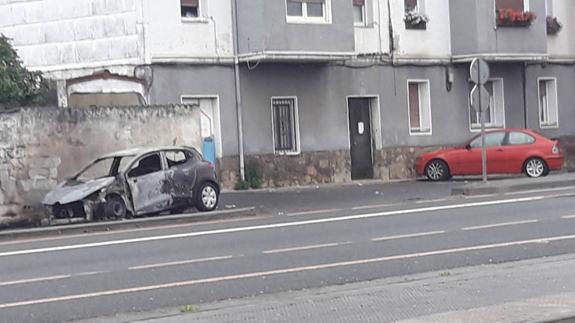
{"x": 41, "y": 146}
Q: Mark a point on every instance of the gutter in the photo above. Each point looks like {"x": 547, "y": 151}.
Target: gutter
{"x": 238, "y": 90}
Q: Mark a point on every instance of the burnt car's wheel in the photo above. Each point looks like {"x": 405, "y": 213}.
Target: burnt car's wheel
{"x": 63, "y": 212}
{"x": 437, "y": 170}
{"x": 115, "y": 207}
{"x": 536, "y": 167}
{"x": 207, "y": 197}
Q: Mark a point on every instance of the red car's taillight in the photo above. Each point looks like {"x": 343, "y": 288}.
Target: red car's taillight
{"x": 556, "y": 150}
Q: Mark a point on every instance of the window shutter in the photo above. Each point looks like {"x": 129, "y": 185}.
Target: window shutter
{"x": 190, "y": 3}
{"x": 358, "y": 2}
{"x": 410, "y": 5}
{"x": 414, "y": 119}
{"x": 509, "y": 4}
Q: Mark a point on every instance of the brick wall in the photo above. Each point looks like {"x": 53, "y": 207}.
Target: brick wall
{"x": 41, "y": 146}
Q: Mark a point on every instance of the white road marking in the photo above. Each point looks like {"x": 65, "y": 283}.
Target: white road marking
{"x": 268, "y": 226}
{"x": 179, "y": 263}
{"x": 284, "y": 271}
{"x": 314, "y": 212}
{"x": 412, "y": 235}
{"x": 34, "y": 280}
{"x": 430, "y": 201}
{"x": 469, "y": 197}
{"x": 318, "y": 246}
{"x": 497, "y": 225}
{"x": 543, "y": 190}
{"x": 568, "y": 217}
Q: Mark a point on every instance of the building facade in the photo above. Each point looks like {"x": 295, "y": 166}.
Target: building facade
{"x": 311, "y": 91}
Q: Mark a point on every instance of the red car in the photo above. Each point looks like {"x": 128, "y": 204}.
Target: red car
{"x": 509, "y": 151}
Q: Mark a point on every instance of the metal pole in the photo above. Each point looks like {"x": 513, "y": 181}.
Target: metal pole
{"x": 482, "y": 120}
{"x": 238, "y": 90}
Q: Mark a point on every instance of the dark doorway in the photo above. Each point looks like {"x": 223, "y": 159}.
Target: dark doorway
{"x": 360, "y": 138}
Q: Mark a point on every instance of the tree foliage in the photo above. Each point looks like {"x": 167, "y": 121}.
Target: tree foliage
{"x": 18, "y": 86}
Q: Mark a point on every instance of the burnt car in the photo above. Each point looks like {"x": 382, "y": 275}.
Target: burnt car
{"x": 137, "y": 182}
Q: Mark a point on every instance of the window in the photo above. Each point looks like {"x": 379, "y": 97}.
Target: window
{"x": 146, "y": 165}
{"x": 515, "y": 5}
{"x": 190, "y": 8}
{"x": 285, "y": 126}
{"x": 359, "y": 12}
{"x": 419, "y": 107}
{"x": 492, "y": 139}
{"x": 176, "y": 157}
{"x": 548, "y": 114}
{"x": 412, "y": 5}
{"x": 305, "y": 11}
{"x": 495, "y": 114}
{"x": 519, "y": 138}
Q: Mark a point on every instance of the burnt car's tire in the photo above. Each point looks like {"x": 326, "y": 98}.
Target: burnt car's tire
{"x": 115, "y": 208}
{"x": 437, "y": 170}
{"x": 207, "y": 197}
{"x": 535, "y": 167}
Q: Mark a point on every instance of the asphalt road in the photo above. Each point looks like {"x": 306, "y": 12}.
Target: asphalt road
{"x": 78, "y": 277}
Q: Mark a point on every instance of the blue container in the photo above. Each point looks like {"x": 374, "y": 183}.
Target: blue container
{"x": 209, "y": 150}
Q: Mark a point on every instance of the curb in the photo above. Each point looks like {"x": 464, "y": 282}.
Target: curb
{"x": 127, "y": 224}
{"x": 498, "y": 188}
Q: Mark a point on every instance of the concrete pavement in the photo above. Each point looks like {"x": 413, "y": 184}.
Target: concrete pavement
{"x": 540, "y": 290}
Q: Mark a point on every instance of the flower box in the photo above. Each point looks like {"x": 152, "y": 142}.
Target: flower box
{"x": 514, "y": 18}
{"x": 553, "y": 26}
{"x": 415, "y": 20}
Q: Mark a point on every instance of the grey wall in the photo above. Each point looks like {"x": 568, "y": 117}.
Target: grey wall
{"x": 474, "y": 30}
{"x": 41, "y": 146}
{"x": 263, "y": 26}
{"x": 173, "y": 81}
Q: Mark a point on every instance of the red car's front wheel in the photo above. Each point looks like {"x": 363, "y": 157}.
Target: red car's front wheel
{"x": 536, "y": 167}
{"x": 437, "y": 170}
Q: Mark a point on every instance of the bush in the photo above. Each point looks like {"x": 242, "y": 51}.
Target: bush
{"x": 253, "y": 178}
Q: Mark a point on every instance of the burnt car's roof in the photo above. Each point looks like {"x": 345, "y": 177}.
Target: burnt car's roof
{"x": 143, "y": 150}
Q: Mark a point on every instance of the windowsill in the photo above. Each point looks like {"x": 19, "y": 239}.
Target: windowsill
{"x": 195, "y": 20}
{"x": 549, "y": 126}
{"x": 279, "y": 153}
{"x": 362, "y": 25}
{"x": 307, "y": 20}
{"x": 420, "y": 133}
{"x": 477, "y": 128}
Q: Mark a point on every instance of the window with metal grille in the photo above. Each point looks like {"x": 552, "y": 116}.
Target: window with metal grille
{"x": 359, "y": 12}
{"x": 285, "y": 126}
{"x": 495, "y": 112}
{"x": 190, "y": 8}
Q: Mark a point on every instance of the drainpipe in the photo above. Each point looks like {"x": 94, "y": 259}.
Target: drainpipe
{"x": 524, "y": 81}
{"x": 238, "y": 89}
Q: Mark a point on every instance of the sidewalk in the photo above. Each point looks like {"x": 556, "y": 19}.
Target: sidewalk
{"x": 541, "y": 290}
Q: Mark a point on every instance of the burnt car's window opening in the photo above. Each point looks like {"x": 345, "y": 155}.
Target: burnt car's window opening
{"x": 176, "y": 157}
{"x": 100, "y": 168}
{"x": 146, "y": 165}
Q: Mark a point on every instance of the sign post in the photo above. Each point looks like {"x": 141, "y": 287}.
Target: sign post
{"x": 479, "y": 74}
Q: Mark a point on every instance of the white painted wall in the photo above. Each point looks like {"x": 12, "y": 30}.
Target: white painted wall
{"x": 562, "y": 45}
{"x": 373, "y": 37}
{"x": 432, "y": 43}
{"x": 174, "y": 38}
{"x": 71, "y": 38}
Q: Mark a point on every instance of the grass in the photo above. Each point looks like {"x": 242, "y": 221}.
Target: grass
{"x": 189, "y": 309}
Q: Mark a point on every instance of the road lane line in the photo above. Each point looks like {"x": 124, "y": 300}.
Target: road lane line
{"x": 283, "y": 271}
{"x": 412, "y": 235}
{"x": 179, "y": 263}
{"x": 430, "y": 201}
{"x": 34, "y": 280}
{"x": 268, "y": 226}
{"x": 497, "y": 225}
{"x": 568, "y": 217}
{"x": 318, "y": 246}
{"x": 314, "y": 212}
{"x": 470, "y": 197}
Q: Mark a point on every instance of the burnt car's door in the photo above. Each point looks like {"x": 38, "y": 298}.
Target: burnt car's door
{"x": 181, "y": 175}
{"x": 147, "y": 181}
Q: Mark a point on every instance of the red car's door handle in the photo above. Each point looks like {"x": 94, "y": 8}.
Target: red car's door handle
{"x": 500, "y": 150}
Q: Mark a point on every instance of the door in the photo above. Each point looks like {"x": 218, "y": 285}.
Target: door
{"x": 181, "y": 176}
{"x": 471, "y": 158}
{"x": 360, "y": 138}
{"x": 148, "y": 185}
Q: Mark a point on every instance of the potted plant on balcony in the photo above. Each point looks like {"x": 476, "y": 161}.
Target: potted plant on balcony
{"x": 415, "y": 20}
{"x": 553, "y": 26}
{"x": 514, "y": 18}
